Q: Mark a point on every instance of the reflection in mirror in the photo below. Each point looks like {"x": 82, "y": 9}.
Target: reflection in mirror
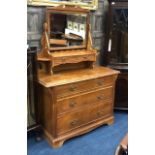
{"x": 75, "y": 1}
{"x": 67, "y": 30}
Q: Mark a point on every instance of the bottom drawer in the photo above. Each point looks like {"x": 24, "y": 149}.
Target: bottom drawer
{"x": 83, "y": 116}
{"x": 70, "y": 121}
{"x": 100, "y": 111}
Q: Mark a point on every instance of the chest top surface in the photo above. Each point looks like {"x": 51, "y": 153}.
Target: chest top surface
{"x": 67, "y": 77}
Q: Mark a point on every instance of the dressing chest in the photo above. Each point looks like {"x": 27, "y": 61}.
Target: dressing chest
{"x": 74, "y": 95}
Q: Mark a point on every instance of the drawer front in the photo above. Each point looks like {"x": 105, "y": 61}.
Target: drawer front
{"x": 101, "y": 111}
{"x": 73, "y": 88}
{"x": 73, "y": 59}
{"x": 85, "y": 99}
{"x": 83, "y": 116}
{"x": 71, "y": 121}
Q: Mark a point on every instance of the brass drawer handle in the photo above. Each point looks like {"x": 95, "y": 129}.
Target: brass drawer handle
{"x": 100, "y": 97}
{"x": 100, "y": 83}
{"x": 73, "y": 123}
{"x": 99, "y": 114}
{"x": 72, "y": 104}
{"x": 72, "y": 88}
{"x": 63, "y": 59}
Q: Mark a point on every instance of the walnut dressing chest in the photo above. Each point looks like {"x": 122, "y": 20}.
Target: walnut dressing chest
{"x": 75, "y": 102}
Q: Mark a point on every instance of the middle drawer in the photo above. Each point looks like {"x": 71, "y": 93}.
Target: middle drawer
{"x": 79, "y": 101}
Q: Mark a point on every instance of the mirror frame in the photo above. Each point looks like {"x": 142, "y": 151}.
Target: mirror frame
{"x": 91, "y": 6}
{"x": 68, "y": 10}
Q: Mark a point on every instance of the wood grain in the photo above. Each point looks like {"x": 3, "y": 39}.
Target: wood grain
{"x": 83, "y": 99}
{"x": 75, "y": 96}
{"x": 80, "y": 75}
{"x": 76, "y": 102}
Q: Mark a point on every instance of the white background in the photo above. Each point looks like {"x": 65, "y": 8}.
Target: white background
{"x": 13, "y": 77}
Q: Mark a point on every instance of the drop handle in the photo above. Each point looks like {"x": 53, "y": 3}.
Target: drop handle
{"x": 85, "y": 57}
{"x": 63, "y": 59}
{"x": 100, "y": 97}
{"x": 73, "y": 123}
{"x": 72, "y": 104}
{"x": 99, "y": 114}
{"x": 100, "y": 83}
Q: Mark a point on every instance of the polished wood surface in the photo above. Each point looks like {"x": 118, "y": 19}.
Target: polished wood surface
{"x": 80, "y": 117}
{"x": 72, "y": 57}
{"x": 68, "y": 77}
{"x": 71, "y": 52}
{"x": 58, "y": 42}
{"x": 77, "y": 87}
{"x": 71, "y": 103}
{"x": 75, "y": 102}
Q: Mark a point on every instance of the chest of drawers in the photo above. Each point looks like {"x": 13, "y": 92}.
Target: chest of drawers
{"x": 75, "y": 102}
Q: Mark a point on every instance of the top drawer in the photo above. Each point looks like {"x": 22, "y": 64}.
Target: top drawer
{"x": 73, "y": 88}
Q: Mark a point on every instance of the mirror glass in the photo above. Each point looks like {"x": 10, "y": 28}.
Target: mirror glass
{"x": 75, "y": 1}
{"x": 67, "y": 30}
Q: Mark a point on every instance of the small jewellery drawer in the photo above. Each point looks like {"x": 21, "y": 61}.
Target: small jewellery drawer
{"x": 85, "y": 99}
{"x": 83, "y": 116}
{"x": 73, "y": 88}
{"x": 73, "y": 59}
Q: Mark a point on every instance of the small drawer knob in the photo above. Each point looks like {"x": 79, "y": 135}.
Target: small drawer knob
{"x": 63, "y": 59}
{"x": 74, "y": 122}
{"x": 100, "y": 83}
{"x": 100, "y": 97}
{"x": 72, "y": 88}
{"x": 72, "y": 104}
{"x": 99, "y": 114}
